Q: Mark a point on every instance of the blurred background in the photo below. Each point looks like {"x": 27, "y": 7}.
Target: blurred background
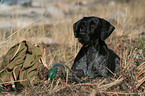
{"x": 20, "y": 14}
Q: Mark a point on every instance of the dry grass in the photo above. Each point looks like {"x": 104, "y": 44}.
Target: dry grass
{"x": 128, "y": 45}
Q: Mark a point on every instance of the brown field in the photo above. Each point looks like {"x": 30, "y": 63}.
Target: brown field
{"x": 128, "y": 41}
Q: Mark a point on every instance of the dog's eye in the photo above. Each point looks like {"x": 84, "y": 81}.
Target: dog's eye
{"x": 93, "y": 25}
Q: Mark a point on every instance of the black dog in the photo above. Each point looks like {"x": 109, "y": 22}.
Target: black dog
{"x": 94, "y": 59}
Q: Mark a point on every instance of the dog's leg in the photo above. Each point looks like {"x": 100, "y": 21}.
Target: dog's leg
{"x": 77, "y": 74}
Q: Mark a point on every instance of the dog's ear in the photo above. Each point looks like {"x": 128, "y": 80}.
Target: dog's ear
{"x": 106, "y": 29}
{"x": 76, "y": 27}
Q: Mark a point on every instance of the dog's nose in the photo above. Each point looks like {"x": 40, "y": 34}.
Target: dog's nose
{"x": 82, "y": 34}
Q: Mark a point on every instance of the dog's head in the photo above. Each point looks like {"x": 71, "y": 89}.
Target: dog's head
{"x": 92, "y": 28}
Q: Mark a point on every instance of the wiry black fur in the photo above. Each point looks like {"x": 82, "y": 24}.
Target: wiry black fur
{"x": 94, "y": 58}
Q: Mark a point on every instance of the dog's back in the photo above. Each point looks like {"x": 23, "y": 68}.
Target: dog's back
{"x": 114, "y": 58}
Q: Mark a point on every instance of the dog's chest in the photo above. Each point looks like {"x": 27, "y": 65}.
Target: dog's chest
{"x": 96, "y": 62}
{"x": 94, "y": 58}
{"x": 92, "y": 54}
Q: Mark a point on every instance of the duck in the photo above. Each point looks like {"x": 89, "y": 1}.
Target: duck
{"x": 57, "y": 70}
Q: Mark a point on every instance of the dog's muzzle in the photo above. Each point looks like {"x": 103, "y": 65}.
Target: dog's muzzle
{"x": 83, "y": 40}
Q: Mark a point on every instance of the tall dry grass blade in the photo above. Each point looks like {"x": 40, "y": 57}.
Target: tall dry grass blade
{"x": 124, "y": 93}
{"x": 9, "y": 38}
{"x": 140, "y": 82}
{"x": 87, "y": 84}
{"x": 67, "y": 74}
{"x": 58, "y": 81}
{"x": 104, "y": 87}
{"x": 141, "y": 69}
{"x": 93, "y": 93}
{"x": 102, "y": 82}
{"x": 52, "y": 58}
{"x": 44, "y": 59}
